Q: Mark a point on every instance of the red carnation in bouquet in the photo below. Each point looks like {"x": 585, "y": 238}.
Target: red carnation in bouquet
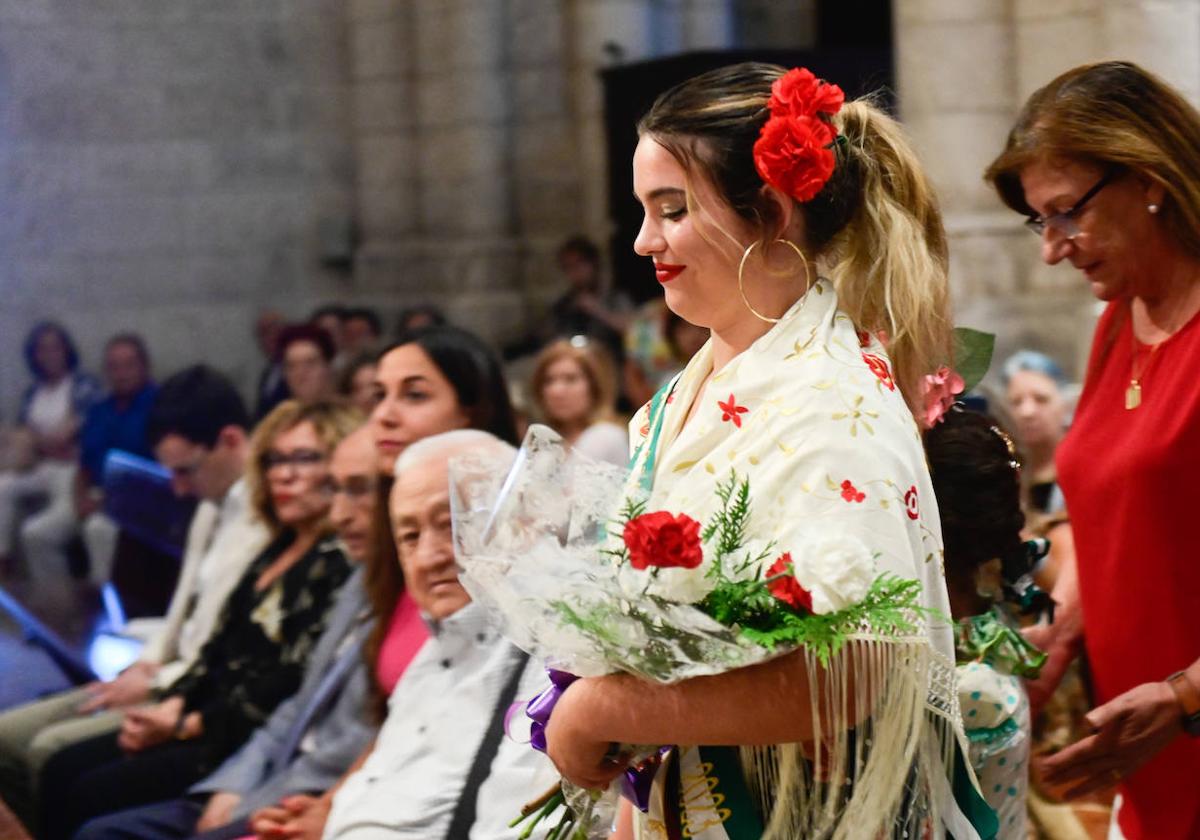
{"x": 785, "y": 587}
{"x": 663, "y": 540}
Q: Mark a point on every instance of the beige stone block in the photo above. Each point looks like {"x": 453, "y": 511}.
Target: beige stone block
{"x": 540, "y": 92}
{"x": 545, "y": 148}
{"x": 537, "y": 30}
{"x": 231, "y": 222}
{"x": 385, "y": 160}
{"x": 380, "y": 49}
{"x": 549, "y": 206}
{"x": 1046, "y": 48}
{"x": 480, "y": 207}
{"x": 708, "y": 25}
{"x": 1160, "y": 36}
{"x": 367, "y": 11}
{"x": 628, "y": 24}
{"x": 989, "y": 265}
{"x": 463, "y": 152}
{"x": 383, "y": 104}
{"x": 1027, "y": 10}
{"x": 955, "y": 148}
{"x": 954, "y": 66}
{"x": 466, "y": 97}
{"x": 924, "y": 11}
{"x": 386, "y": 213}
{"x": 458, "y": 35}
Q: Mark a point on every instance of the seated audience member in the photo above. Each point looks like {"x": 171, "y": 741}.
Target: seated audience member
{"x": 432, "y": 380}
{"x": 588, "y": 307}
{"x": 419, "y": 316}
{"x": 314, "y": 736}
{"x": 40, "y": 454}
{"x": 361, "y": 331}
{"x": 1034, "y": 392}
{"x": 197, "y": 429}
{"x": 414, "y": 783}
{"x": 357, "y": 381}
{"x": 574, "y": 388}
{"x": 976, "y": 479}
{"x": 330, "y": 317}
{"x": 117, "y": 422}
{"x": 307, "y": 353}
{"x": 255, "y": 657}
{"x": 658, "y": 343}
{"x": 271, "y": 389}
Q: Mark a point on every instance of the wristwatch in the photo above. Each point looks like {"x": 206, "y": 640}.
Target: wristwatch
{"x": 1189, "y": 700}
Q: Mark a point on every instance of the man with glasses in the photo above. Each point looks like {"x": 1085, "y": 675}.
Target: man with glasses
{"x": 198, "y": 430}
{"x": 313, "y": 737}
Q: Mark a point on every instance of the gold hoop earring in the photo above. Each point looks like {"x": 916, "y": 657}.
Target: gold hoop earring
{"x": 742, "y": 268}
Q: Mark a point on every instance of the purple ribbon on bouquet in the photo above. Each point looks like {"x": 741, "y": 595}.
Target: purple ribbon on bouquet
{"x": 635, "y": 781}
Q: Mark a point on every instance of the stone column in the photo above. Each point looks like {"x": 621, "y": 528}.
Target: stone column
{"x": 959, "y": 65}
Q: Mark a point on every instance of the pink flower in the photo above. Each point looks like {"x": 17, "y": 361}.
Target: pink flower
{"x": 940, "y": 389}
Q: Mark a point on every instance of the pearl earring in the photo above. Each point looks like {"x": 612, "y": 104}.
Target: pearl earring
{"x": 1153, "y": 208}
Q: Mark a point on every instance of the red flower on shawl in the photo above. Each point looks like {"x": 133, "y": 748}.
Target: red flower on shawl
{"x": 880, "y": 368}
{"x": 851, "y": 493}
{"x": 911, "y": 503}
{"x": 663, "y": 540}
{"x": 787, "y": 588}
{"x": 731, "y": 411}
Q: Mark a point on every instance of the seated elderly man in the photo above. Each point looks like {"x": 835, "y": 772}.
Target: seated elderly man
{"x": 440, "y": 767}
{"x": 311, "y": 738}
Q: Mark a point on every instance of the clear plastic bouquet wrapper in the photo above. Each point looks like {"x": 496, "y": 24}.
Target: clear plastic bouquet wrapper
{"x": 566, "y": 554}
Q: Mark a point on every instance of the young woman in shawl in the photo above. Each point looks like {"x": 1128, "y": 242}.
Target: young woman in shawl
{"x": 801, "y": 231}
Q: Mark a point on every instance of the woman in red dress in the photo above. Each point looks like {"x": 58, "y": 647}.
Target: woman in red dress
{"x": 1105, "y": 163}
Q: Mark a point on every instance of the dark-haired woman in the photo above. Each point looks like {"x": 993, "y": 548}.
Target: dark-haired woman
{"x": 39, "y": 456}
{"x": 976, "y": 479}
{"x": 753, "y": 181}
{"x": 1104, "y": 162}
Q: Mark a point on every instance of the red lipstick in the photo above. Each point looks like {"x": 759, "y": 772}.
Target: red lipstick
{"x": 665, "y": 272}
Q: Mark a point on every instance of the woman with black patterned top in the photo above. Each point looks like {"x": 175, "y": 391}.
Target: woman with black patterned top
{"x": 253, "y": 661}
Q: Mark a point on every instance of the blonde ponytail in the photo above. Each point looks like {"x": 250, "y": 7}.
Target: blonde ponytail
{"x": 889, "y": 263}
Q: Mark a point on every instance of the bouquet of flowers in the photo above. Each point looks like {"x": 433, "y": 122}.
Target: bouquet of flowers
{"x": 585, "y": 577}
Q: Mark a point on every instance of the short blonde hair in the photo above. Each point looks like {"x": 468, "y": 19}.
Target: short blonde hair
{"x": 331, "y": 421}
{"x": 597, "y": 367}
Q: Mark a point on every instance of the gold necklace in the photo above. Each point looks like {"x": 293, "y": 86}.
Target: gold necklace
{"x": 1133, "y": 394}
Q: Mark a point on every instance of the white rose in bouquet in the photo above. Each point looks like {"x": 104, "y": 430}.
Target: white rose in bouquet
{"x": 837, "y": 569}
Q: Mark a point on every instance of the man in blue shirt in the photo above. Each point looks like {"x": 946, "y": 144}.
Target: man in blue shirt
{"x": 117, "y": 422}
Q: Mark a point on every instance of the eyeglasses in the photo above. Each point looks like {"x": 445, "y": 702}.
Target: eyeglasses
{"x": 1065, "y": 222}
{"x": 359, "y": 489}
{"x": 299, "y": 458}
{"x": 189, "y": 470}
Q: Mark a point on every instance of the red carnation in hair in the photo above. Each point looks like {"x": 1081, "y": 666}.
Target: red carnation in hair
{"x": 792, "y": 152}
{"x": 800, "y": 92}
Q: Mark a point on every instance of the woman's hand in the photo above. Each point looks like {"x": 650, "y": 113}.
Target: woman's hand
{"x": 218, "y": 811}
{"x": 296, "y": 818}
{"x": 580, "y": 757}
{"x": 147, "y": 726}
{"x": 130, "y": 686}
{"x": 1130, "y": 730}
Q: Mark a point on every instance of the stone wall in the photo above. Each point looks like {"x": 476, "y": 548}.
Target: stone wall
{"x": 965, "y": 67}
{"x": 169, "y": 167}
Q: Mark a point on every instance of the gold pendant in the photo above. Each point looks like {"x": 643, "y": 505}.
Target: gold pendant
{"x": 1133, "y": 395}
